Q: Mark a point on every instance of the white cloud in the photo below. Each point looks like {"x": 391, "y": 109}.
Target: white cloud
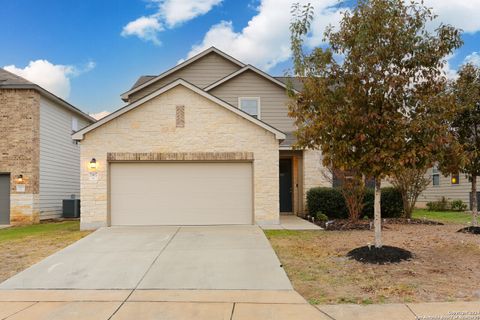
{"x": 54, "y": 78}
{"x": 99, "y": 115}
{"x": 473, "y": 58}
{"x": 450, "y": 73}
{"x": 463, "y": 14}
{"x": 170, "y": 14}
{"x": 265, "y": 41}
{"x": 146, "y": 28}
{"x": 175, "y": 12}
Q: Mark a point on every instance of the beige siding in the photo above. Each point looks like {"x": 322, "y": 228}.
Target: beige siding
{"x": 151, "y": 128}
{"x": 201, "y": 73}
{"x": 59, "y": 158}
{"x": 446, "y": 189}
{"x": 273, "y": 98}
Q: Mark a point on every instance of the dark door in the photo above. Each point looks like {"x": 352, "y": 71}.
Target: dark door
{"x": 285, "y": 185}
{"x": 4, "y": 199}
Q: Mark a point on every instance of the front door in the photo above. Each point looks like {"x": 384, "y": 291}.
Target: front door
{"x": 4, "y": 199}
{"x": 286, "y": 185}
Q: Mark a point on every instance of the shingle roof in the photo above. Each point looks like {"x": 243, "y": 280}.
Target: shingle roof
{"x": 296, "y": 82}
{"x": 290, "y": 140}
{"x": 141, "y": 81}
{"x": 7, "y": 79}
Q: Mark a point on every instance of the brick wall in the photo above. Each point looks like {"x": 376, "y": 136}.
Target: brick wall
{"x": 152, "y": 128}
{"x": 19, "y": 150}
{"x": 314, "y": 173}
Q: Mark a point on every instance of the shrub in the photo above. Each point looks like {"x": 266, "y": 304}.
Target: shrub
{"x": 391, "y": 202}
{"x": 320, "y": 217}
{"x": 331, "y": 202}
{"x": 441, "y": 205}
{"x": 458, "y": 205}
{"x": 328, "y": 201}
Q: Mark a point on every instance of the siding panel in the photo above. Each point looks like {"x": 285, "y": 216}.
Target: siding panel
{"x": 460, "y": 191}
{"x": 59, "y": 158}
{"x": 273, "y": 98}
{"x": 201, "y": 73}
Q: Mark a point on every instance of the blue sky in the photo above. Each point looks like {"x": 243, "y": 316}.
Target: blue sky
{"x": 91, "y": 51}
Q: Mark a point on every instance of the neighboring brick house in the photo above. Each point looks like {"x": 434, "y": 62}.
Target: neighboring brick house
{"x": 209, "y": 141}
{"x": 39, "y": 163}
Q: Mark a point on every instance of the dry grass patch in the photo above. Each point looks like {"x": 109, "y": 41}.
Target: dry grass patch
{"x": 445, "y": 265}
{"x": 21, "y": 247}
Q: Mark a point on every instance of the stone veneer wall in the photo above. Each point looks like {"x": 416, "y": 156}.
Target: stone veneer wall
{"x": 152, "y": 128}
{"x": 20, "y": 150}
{"x": 313, "y": 173}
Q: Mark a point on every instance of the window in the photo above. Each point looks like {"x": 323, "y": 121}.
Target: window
{"x": 74, "y": 124}
{"x": 455, "y": 178}
{"x": 250, "y": 106}
{"x": 435, "y": 176}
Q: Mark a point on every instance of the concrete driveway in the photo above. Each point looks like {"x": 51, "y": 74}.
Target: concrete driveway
{"x": 217, "y": 257}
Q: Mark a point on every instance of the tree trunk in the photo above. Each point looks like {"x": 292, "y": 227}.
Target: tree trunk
{"x": 378, "y": 214}
{"x": 407, "y": 213}
{"x": 474, "y": 201}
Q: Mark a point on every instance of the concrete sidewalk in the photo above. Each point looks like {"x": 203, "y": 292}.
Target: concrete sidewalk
{"x": 292, "y": 222}
{"x": 206, "y": 304}
{"x": 410, "y": 311}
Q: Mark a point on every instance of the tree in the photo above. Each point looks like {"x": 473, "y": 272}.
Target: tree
{"x": 463, "y": 155}
{"x": 411, "y": 182}
{"x": 383, "y": 104}
{"x": 352, "y": 188}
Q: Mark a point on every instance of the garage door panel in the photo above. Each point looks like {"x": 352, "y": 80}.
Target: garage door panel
{"x": 181, "y": 193}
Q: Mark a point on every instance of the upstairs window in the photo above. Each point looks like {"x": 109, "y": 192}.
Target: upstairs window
{"x": 74, "y": 124}
{"x": 250, "y": 105}
{"x": 435, "y": 176}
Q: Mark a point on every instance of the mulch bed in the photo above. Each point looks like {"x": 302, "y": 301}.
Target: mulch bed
{"x": 382, "y": 255}
{"x": 472, "y": 230}
{"x": 345, "y": 224}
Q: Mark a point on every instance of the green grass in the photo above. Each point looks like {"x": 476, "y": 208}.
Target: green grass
{"x": 17, "y": 233}
{"x": 443, "y": 216}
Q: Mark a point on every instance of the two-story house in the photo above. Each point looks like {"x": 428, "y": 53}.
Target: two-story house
{"x": 206, "y": 142}
{"x": 39, "y": 162}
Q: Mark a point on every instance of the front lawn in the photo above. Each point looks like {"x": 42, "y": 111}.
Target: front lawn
{"x": 444, "y": 268}
{"x": 21, "y": 247}
{"x": 443, "y": 216}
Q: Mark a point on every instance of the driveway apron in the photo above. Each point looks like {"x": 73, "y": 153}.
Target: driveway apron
{"x": 160, "y": 257}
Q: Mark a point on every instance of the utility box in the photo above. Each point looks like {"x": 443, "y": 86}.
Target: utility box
{"x": 71, "y": 208}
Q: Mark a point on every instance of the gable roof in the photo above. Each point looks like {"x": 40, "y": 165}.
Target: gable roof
{"x": 247, "y": 68}
{"x": 9, "y": 80}
{"x": 143, "y": 82}
{"x": 79, "y": 134}
{"x": 295, "y": 81}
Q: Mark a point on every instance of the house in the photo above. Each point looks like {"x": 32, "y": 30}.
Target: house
{"x": 206, "y": 142}
{"x": 39, "y": 162}
{"x": 451, "y": 187}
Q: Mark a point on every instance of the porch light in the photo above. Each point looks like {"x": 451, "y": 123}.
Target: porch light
{"x": 93, "y": 164}
{"x": 19, "y": 178}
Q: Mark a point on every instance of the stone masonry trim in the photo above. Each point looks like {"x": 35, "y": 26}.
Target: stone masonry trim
{"x": 180, "y": 156}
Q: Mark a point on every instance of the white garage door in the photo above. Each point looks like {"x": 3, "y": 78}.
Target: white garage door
{"x": 181, "y": 193}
